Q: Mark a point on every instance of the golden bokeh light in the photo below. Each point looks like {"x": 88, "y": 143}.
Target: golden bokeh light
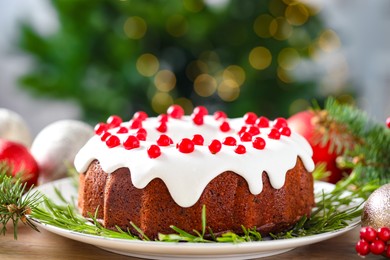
{"x": 205, "y": 85}
{"x": 260, "y": 58}
{"x": 161, "y": 101}
{"x": 234, "y": 72}
{"x": 284, "y": 75}
{"x": 193, "y": 5}
{"x": 165, "y": 80}
{"x": 297, "y": 14}
{"x": 276, "y": 8}
{"x": 329, "y": 41}
{"x": 288, "y": 58}
{"x": 147, "y": 65}
{"x": 135, "y": 27}
{"x": 228, "y": 90}
{"x": 280, "y": 29}
{"x": 186, "y": 104}
{"x": 177, "y": 25}
{"x": 262, "y": 24}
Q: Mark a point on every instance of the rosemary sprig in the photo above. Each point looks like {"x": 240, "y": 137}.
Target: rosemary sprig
{"x": 13, "y": 205}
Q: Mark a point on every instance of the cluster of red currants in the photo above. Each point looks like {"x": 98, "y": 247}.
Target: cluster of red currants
{"x": 374, "y": 241}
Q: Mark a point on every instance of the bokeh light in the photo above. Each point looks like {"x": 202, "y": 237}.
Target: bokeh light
{"x": 280, "y": 29}
{"x": 161, "y": 101}
{"x": 288, "y": 58}
{"x": 329, "y": 41}
{"x": 195, "y": 68}
{"x": 205, "y": 85}
{"x": 260, "y": 58}
{"x": 186, "y": 104}
{"x": 147, "y": 65}
{"x": 236, "y": 73}
{"x": 297, "y": 14}
{"x": 135, "y": 27}
{"x": 177, "y": 25}
{"x": 262, "y": 24}
{"x": 165, "y": 80}
{"x": 194, "y": 6}
{"x": 228, "y": 90}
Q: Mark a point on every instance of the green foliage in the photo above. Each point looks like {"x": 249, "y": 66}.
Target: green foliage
{"x": 91, "y": 59}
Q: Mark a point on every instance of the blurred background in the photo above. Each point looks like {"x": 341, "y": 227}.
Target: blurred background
{"x": 90, "y": 59}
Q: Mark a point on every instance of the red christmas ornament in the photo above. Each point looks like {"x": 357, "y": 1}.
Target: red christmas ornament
{"x": 20, "y": 160}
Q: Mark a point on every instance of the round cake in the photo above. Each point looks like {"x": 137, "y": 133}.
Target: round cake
{"x": 161, "y": 171}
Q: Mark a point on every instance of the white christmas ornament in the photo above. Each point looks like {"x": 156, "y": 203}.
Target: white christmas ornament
{"x": 14, "y": 128}
{"x": 55, "y": 147}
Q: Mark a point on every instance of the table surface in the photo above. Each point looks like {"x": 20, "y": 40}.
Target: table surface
{"x": 45, "y": 245}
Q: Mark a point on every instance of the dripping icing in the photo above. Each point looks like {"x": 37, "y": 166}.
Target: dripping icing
{"x": 187, "y": 175}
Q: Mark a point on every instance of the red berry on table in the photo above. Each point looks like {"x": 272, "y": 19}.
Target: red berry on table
{"x": 20, "y": 160}
{"x": 186, "y": 145}
{"x": 140, "y": 115}
{"x": 240, "y": 149}
{"x": 200, "y": 110}
{"x": 113, "y": 141}
{"x": 384, "y": 234}
{"x": 274, "y": 134}
{"x": 224, "y": 127}
{"x": 246, "y": 137}
{"x": 100, "y": 128}
{"x": 286, "y": 131}
{"x": 220, "y": 115}
{"x": 362, "y": 247}
{"x": 164, "y": 140}
{"x": 258, "y": 143}
{"x": 114, "y": 121}
{"x": 368, "y": 233}
{"x": 175, "y": 111}
{"x": 262, "y": 122}
{"x": 377, "y": 247}
{"x": 215, "y": 146}
{"x": 154, "y": 151}
{"x": 131, "y": 142}
{"x": 229, "y": 140}
{"x": 198, "y": 139}
{"x": 280, "y": 122}
{"x": 250, "y": 118}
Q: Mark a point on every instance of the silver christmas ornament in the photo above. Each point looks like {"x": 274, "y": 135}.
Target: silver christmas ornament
{"x": 376, "y": 211}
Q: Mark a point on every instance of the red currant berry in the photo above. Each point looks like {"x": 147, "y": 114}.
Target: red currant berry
{"x": 254, "y": 130}
{"x": 240, "y": 149}
{"x": 175, "y": 111}
{"x": 140, "y": 115}
{"x": 114, "y": 121}
{"x": 388, "y": 122}
{"x": 286, "y": 131}
{"x": 250, "y": 118}
{"x": 274, "y": 134}
{"x": 100, "y": 128}
{"x": 362, "y": 247}
{"x": 113, "y": 141}
{"x": 163, "y": 118}
{"x": 242, "y": 130}
{"x": 224, "y": 127}
{"x": 105, "y": 136}
{"x": 164, "y": 140}
{"x": 122, "y": 130}
{"x": 377, "y": 247}
{"x": 384, "y": 234}
{"x": 154, "y": 151}
{"x": 201, "y": 110}
{"x": 131, "y": 142}
{"x": 186, "y": 145}
{"x": 220, "y": 115}
{"x": 141, "y": 136}
{"x": 245, "y": 137}
{"x": 198, "y": 139}
{"x": 215, "y": 146}
{"x": 230, "y": 141}
{"x": 368, "y": 233}
{"x": 162, "y": 128}
{"x": 280, "y": 122}
{"x": 262, "y": 122}
{"x": 197, "y": 119}
{"x": 135, "y": 124}
{"x": 258, "y": 143}
{"x": 142, "y": 131}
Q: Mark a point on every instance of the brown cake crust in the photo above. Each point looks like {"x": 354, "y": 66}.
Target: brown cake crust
{"x": 229, "y": 203}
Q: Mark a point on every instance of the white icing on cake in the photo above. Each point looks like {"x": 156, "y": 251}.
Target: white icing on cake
{"x": 187, "y": 175}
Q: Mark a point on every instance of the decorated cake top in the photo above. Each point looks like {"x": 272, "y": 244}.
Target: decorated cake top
{"x": 187, "y": 152}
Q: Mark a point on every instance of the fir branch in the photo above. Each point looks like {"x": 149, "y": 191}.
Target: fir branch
{"x": 15, "y": 201}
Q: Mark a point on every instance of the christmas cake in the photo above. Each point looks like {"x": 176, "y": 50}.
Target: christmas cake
{"x": 160, "y": 171}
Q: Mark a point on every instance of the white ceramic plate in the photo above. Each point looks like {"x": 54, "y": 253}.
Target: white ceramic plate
{"x": 166, "y": 250}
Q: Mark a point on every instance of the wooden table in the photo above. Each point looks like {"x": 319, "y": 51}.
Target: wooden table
{"x": 45, "y": 245}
